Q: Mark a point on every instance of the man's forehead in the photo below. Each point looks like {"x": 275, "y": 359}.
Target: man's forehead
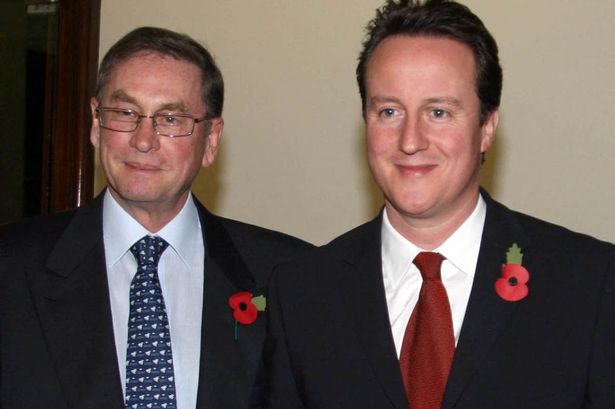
{"x": 150, "y": 54}
{"x": 154, "y": 71}
{"x": 427, "y": 41}
{"x": 397, "y": 51}
{"x": 400, "y": 55}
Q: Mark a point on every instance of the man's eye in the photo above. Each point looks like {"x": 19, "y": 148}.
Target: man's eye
{"x": 387, "y": 112}
{"x": 439, "y": 113}
{"x": 123, "y": 114}
{"x": 170, "y": 120}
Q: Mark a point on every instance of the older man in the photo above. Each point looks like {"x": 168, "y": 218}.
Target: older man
{"x": 447, "y": 299}
{"x": 142, "y": 299}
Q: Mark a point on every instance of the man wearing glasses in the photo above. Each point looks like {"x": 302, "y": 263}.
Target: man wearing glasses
{"x": 141, "y": 299}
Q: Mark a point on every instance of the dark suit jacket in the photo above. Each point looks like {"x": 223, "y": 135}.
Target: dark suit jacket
{"x": 331, "y": 344}
{"x": 56, "y": 336}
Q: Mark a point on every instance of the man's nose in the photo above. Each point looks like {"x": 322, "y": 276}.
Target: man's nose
{"x": 412, "y": 138}
{"x": 145, "y": 138}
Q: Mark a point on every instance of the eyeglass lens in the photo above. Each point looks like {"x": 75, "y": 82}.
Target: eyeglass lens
{"x": 167, "y": 124}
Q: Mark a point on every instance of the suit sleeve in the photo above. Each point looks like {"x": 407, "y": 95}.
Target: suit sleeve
{"x": 282, "y": 387}
{"x": 601, "y": 387}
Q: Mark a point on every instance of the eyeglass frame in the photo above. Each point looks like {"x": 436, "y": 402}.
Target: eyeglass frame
{"x": 152, "y": 117}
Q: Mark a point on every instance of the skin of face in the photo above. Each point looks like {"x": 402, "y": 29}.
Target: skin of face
{"x": 148, "y": 174}
{"x": 424, "y": 137}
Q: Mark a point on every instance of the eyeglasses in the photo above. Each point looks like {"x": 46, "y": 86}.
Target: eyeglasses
{"x": 171, "y": 124}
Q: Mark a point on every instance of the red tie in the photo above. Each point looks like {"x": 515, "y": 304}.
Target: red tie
{"x": 428, "y": 346}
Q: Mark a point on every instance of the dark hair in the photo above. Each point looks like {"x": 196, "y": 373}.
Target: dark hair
{"x": 168, "y": 43}
{"x": 438, "y": 18}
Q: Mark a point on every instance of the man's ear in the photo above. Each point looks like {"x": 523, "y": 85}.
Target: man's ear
{"x": 488, "y": 130}
{"x": 212, "y": 142}
{"x": 95, "y": 129}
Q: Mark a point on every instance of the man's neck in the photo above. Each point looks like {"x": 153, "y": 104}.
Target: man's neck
{"x": 152, "y": 216}
{"x": 427, "y": 232}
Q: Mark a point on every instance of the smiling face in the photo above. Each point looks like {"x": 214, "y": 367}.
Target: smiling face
{"x": 424, "y": 136}
{"x": 150, "y": 175}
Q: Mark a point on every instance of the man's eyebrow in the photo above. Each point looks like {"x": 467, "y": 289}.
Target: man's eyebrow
{"x": 380, "y": 99}
{"x": 173, "y": 107}
{"x": 121, "y": 95}
{"x": 434, "y": 100}
{"x": 445, "y": 100}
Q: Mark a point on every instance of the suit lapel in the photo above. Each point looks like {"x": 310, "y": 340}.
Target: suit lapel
{"x": 362, "y": 290}
{"x": 72, "y": 301}
{"x": 487, "y": 315}
{"x": 228, "y": 366}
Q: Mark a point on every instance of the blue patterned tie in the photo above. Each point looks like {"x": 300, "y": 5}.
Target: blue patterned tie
{"x": 150, "y": 381}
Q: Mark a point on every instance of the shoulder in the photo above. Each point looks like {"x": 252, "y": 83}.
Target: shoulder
{"x": 332, "y": 261}
{"x": 261, "y": 249}
{"x": 248, "y": 237}
{"x": 565, "y": 250}
{"x": 28, "y": 244}
{"x": 550, "y": 236}
{"x": 248, "y": 234}
{"x": 357, "y": 239}
{"x": 552, "y": 231}
{"x": 33, "y": 235}
{"x": 47, "y": 229}
{"x": 558, "y": 257}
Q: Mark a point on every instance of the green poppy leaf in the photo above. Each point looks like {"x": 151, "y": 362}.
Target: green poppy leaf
{"x": 260, "y": 302}
{"x": 514, "y": 255}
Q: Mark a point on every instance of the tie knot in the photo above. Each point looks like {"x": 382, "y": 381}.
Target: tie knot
{"x": 429, "y": 264}
{"x": 148, "y": 249}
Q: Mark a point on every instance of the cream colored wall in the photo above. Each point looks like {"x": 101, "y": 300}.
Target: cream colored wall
{"x": 292, "y": 156}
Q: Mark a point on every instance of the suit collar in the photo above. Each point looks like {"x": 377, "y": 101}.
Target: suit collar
{"x": 221, "y": 248}
{"x": 229, "y": 364}
{"x": 72, "y": 296}
{"x": 81, "y": 236}
{"x": 487, "y": 315}
{"x": 362, "y": 290}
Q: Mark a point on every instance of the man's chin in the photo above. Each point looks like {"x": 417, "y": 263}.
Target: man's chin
{"x": 410, "y": 209}
{"x": 136, "y": 196}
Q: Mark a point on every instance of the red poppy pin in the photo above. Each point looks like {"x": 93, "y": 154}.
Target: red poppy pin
{"x": 246, "y": 308}
{"x": 512, "y": 286}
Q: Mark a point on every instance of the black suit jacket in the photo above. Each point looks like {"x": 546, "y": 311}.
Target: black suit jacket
{"x": 56, "y": 335}
{"x": 331, "y": 344}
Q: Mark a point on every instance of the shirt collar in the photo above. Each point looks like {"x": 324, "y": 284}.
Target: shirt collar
{"x": 182, "y": 233}
{"x": 460, "y": 249}
{"x": 397, "y": 251}
{"x": 121, "y": 231}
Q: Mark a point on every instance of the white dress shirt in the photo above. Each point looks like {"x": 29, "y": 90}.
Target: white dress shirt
{"x": 402, "y": 279}
{"x": 180, "y": 271}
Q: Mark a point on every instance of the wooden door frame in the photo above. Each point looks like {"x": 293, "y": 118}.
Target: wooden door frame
{"x": 70, "y": 181}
